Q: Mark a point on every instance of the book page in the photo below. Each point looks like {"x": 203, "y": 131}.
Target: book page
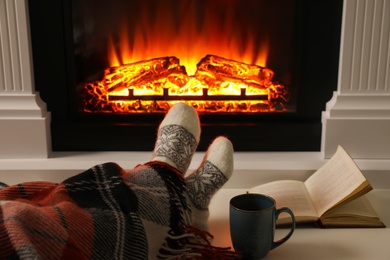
{"x": 356, "y": 213}
{"x": 359, "y": 206}
{"x": 334, "y": 181}
{"x": 289, "y": 193}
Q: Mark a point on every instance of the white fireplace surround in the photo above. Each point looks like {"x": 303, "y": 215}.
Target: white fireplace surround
{"x": 357, "y": 117}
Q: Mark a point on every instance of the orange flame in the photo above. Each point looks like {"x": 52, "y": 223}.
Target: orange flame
{"x": 186, "y": 34}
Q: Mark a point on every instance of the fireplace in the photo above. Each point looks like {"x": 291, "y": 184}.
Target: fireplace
{"x": 285, "y": 44}
{"x": 357, "y": 115}
{"x": 210, "y": 54}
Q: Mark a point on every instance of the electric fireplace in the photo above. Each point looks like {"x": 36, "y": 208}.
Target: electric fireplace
{"x": 259, "y": 72}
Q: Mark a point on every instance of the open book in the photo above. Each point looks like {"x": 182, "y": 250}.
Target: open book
{"x": 332, "y": 197}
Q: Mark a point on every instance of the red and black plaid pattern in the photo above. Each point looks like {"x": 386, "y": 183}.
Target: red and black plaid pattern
{"x": 97, "y": 215}
{"x": 89, "y": 216}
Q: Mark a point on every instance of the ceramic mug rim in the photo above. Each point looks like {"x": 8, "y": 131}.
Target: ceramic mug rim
{"x": 253, "y": 195}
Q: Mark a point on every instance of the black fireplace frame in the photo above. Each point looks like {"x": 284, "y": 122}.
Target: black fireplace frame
{"x": 51, "y": 36}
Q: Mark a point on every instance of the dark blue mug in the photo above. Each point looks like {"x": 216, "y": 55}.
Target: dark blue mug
{"x": 252, "y": 225}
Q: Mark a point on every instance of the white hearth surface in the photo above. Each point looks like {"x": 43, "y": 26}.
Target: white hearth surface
{"x": 250, "y": 168}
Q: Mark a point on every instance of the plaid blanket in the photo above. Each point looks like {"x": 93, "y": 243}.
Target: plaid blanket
{"x": 91, "y": 215}
{"x": 97, "y": 214}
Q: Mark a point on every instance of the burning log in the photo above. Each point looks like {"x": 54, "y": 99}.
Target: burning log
{"x": 143, "y": 72}
{"x": 213, "y": 69}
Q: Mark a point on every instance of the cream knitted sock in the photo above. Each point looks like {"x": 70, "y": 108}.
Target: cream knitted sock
{"x": 178, "y": 137}
{"x": 215, "y": 170}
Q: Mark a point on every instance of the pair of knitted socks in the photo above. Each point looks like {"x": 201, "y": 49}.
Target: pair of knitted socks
{"x": 177, "y": 140}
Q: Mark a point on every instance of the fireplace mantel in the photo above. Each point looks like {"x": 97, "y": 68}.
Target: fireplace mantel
{"x": 24, "y": 121}
{"x": 357, "y": 117}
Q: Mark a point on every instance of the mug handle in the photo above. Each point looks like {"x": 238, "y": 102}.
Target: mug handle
{"x": 281, "y": 241}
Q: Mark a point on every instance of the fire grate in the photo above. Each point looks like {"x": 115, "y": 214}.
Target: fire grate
{"x": 204, "y": 97}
